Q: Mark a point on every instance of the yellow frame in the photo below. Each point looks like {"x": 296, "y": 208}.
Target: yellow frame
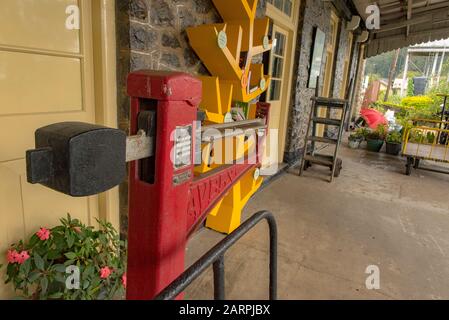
{"x": 425, "y": 128}
{"x": 290, "y": 24}
{"x": 105, "y": 85}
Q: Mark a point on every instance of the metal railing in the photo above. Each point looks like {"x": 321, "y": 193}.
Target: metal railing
{"x": 215, "y": 257}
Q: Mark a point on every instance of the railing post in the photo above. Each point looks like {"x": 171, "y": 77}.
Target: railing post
{"x": 215, "y": 257}
{"x": 219, "y": 279}
{"x": 273, "y": 257}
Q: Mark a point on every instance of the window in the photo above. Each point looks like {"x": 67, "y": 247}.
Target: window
{"x": 286, "y": 6}
{"x": 277, "y": 66}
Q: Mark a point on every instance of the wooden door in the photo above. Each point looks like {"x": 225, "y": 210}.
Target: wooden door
{"x": 46, "y": 76}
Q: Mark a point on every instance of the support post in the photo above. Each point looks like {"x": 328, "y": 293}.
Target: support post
{"x": 441, "y": 66}
{"x": 434, "y": 69}
{"x": 405, "y": 76}
{"x": 391, "y": 75}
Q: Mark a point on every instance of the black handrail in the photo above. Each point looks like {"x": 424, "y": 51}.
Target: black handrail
{"x": 215, "y": 256}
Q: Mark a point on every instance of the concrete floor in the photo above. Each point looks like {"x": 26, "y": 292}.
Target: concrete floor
{"x": 329, "y": 233}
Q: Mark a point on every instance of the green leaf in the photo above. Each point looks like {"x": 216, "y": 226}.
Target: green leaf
{"x": 44, "y": 286}
{"x": 71, "y": 255}
{"x": 25, "y": 267}
{"x": 34, "y": 276}
{"x": 58, "y": 229}
{"x": 59, "y": 268}
{"x": 38, "y": 261}
{"x": 60, "y": 278}
{"x": 53, "y": 254}
{"x": 69, "y": 262}
{"x": 88, "y": 271}
{"x": 70, "y": 240}
{"x": 33, "y": 240}
{"x": 56, "y": 295}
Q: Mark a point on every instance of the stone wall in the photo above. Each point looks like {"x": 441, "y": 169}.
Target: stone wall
{"x": 151, "y": 34}
{"x": 314, "y": 14}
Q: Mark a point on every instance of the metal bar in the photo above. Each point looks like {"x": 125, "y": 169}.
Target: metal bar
{"x": 213, "y": 134}
{"x": 219, "y": 279}
{"x": 234, "y": 125}
{"x": 185, "y": 279}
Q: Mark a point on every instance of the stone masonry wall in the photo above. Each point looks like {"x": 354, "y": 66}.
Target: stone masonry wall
{"x": 151, "y": 34}
{"x": 314, "y": 14}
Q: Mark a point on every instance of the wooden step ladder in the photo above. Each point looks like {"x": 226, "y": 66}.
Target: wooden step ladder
{"x": 311, "y": 154}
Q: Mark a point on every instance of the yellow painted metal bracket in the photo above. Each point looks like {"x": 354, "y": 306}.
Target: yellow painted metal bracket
{"x": 227, "y": 50}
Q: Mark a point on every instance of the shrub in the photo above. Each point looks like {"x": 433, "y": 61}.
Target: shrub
{"x": 37, "y": 268}
{"x": 394, "y": 137}
{"x": 362, "y": 132}
{"x": 378, "y": 134}
{"x": 422, "y": 107}
{"x": 419, "y": 102}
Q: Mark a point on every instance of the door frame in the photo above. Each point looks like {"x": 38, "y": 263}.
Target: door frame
{"x": 105, "y": 87}
{"x": 329, "y": 68}
{"x": 289, "y": 24}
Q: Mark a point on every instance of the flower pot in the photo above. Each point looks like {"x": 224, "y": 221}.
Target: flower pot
{"x": 374, "y": 145}
{"x": 394, "y": 148}
{"x": 354, "y": 144}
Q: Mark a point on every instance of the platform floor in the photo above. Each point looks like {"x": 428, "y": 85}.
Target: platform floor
{"x": 329, "y": 233}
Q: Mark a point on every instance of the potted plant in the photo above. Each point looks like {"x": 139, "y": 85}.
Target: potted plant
{"x": 375, "y": 139}
{"x": 70, "y": 261}
{"x": 355, "y": 139}
{"x": 394, "y": 142}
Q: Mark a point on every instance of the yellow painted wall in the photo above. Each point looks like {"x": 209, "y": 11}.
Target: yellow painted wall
{"x": 47, "y": 75}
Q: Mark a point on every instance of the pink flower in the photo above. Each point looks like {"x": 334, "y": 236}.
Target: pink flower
{"x": 43, "y": 234}
{"x": 22, "y": 257}
{"x": 124, "y": 280}
{"x": 12, "y": 256}
{"x": 105, "y": 272}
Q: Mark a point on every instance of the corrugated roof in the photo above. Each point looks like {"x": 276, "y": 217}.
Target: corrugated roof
{"x": 406, "y": 22}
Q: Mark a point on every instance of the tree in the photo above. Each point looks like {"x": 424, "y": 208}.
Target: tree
{"x": 391, "y": 75}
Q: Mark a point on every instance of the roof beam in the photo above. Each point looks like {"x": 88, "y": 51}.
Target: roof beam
{"x": 416, "y": 10}
{"x": 405, "y": 23}
{"x": 433, "y": 17}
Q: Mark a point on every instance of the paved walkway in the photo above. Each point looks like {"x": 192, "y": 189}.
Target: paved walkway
{"x": 329, "y": 233}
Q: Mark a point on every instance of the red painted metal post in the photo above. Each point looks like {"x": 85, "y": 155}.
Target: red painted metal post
{"x": 157, "y": 209}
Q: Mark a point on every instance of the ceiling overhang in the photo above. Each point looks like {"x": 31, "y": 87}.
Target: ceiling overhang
{"x": 405, "y": 22}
